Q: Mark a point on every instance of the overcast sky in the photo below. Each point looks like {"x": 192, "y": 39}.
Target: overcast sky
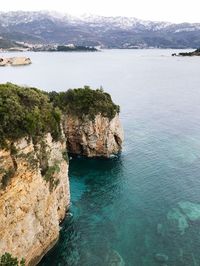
{"x": 164, "y": 10}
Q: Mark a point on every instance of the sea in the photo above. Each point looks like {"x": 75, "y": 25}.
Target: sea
{"x": 142, "y": 207}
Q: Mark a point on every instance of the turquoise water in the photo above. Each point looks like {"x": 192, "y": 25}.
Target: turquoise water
{"x": 146, "y": 202}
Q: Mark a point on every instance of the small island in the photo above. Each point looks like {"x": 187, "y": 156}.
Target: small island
{"x": 194, "y": 53}
{"x": 32, "y": 47}
{"x": 63, "y": 48}
{"x": 15, "y": 61}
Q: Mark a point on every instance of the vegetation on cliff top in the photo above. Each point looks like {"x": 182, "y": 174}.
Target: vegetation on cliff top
{"x": 31, "y": 112}
{"x": 85, "y": 101}
{"x": 26, "y": 112}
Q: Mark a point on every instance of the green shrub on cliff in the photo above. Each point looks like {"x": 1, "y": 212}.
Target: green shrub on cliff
{"x": 31, "y": 112}
{"x": 49, "y": 176}
{"x": 26, "y": 112}
{"x": 85, "y": 101}
{"x": 7, "y": 260}
{"x": 7, "y": 175}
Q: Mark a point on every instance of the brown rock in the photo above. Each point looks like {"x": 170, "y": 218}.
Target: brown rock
{"x": 30, "y": 212}
{"x": 98, "y": 137}
{"x": 15, "y": 61}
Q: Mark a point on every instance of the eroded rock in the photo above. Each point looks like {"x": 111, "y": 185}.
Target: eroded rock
{"x": 32, "y": 205}
{"x": 93, "y": 138}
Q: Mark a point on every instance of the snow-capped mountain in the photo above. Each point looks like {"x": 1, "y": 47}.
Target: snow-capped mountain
{"x": 111, "y": 32}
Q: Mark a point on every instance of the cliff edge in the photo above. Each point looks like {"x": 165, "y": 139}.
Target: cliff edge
{"x": 34, "y": 185}
{"x": 37, "y": 129}
{"x": 91, "y": 122}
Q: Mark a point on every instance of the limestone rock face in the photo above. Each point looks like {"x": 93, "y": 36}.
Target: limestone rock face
{"x": 34, "y": 197}
{"x": 15, "y": 61}
{"x": 91, "y": 138}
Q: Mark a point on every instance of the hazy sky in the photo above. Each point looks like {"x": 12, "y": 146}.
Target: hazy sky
{"x": 166, "y": 10}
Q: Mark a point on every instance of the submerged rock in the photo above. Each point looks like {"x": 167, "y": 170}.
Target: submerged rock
{"x": 160, "y": 229}
{"x": 114, "y": 259}
{"x": 179, "y": 219}
{"x": 161, "y": 257}
{"x": 183, "y": 214}
{"x": 191, "y": 210}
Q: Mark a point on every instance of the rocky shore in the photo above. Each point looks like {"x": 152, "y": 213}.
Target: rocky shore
{"x": 15, "y": 61}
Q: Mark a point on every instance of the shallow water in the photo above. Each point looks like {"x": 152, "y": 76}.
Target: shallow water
{"x": 122, "y": 205}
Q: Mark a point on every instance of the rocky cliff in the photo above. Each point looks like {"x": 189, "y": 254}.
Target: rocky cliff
{"x": 34, "y": 197}
{"x": 95, "y": 137}
{"x": 36, "y": 131}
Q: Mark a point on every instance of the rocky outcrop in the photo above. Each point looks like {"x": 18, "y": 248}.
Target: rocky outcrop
{"x": 194, "y": 53}
{"x": 15, "y": 61}
{"x": 93, "y": 137}
{"x": 34, "y": 187}
{"x": 34, "y": 197}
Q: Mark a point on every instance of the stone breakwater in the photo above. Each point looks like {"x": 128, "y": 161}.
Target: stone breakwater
{"x": 15, "y": 61}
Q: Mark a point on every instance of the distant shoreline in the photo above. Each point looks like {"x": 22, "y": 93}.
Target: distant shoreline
{"x": 97, "y": 50}
{"x": 51, "y": 48}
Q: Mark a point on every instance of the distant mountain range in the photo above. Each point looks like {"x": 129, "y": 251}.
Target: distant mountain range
{"x": 107, "y": 32}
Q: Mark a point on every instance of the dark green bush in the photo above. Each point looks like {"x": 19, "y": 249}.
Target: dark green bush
{"x": 8, "y": 174}
{"x": 26, "y": 112}
{"x": 49, "y": 176}
{"x": 7, "y": 260}
{"x": 63, "y": 48}
{"x": 85, "y": 101}
{"x": 65, "y": 156}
